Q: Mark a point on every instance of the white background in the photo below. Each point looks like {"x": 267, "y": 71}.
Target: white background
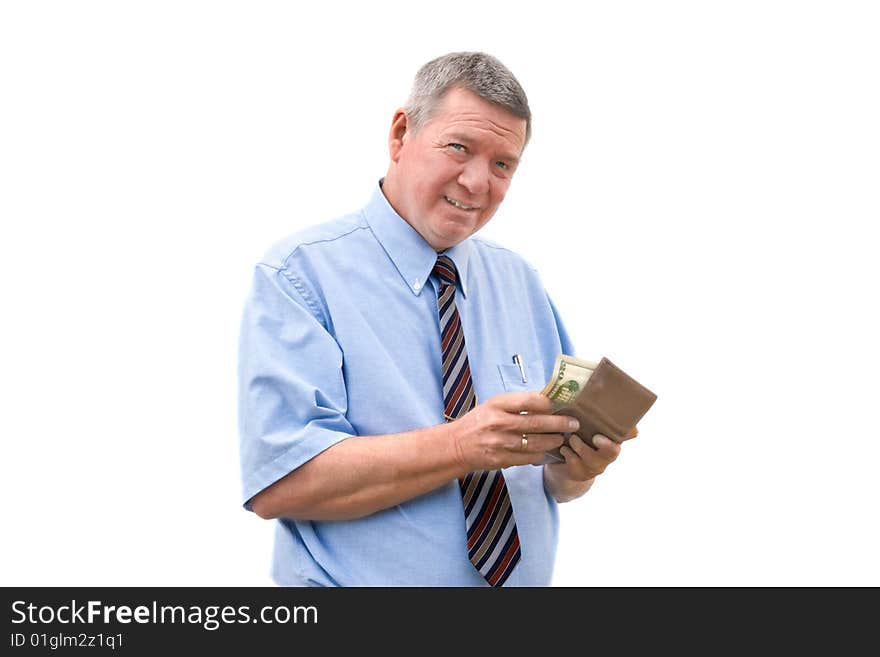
{"x": 700, "y": 197}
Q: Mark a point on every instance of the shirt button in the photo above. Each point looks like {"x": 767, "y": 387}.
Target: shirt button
{"x": 417, "y": 286}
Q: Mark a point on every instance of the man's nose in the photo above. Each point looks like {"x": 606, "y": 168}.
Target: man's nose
{"x": 474, "y": 177}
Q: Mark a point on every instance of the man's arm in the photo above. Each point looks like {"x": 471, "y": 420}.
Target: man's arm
{"x": 364, "y": 474}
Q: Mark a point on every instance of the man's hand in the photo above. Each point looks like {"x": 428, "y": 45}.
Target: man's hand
{"x": 569, "y": 480}
{"x": 490, "y": 436}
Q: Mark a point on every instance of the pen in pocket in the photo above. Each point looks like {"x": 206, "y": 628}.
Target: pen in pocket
{"x": 522, "y": 372}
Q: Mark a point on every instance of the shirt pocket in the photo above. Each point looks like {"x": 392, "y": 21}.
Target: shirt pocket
{"x": 512, "y": 376}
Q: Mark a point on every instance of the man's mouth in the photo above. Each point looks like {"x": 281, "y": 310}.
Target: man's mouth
{"x": 459, "y": 204}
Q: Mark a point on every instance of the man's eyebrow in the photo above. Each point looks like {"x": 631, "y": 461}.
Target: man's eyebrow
{"x": 465, "y": 140}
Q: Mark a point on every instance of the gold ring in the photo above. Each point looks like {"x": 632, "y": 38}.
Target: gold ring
{"x": 525, "y": 443}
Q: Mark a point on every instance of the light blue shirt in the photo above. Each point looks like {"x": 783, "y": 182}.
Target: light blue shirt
{"x": 340, "y": 337}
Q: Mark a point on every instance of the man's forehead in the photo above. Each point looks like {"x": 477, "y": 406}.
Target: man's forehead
{"x": 466, "y": 114}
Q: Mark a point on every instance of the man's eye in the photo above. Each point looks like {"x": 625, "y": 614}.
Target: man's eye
{"x": 502, "y": 165}
{"x": 457, "y": 147}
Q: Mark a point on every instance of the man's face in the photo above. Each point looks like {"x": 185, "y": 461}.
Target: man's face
{"x": 448, "y": 179}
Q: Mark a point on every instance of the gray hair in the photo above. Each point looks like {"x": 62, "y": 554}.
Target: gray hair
{"x": 477, "y": 72}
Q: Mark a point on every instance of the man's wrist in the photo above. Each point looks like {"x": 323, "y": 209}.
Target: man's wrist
{"x": 449, "y": 439}
{"x": 562, "y": 488}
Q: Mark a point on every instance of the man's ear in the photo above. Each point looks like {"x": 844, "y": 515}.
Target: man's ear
{"x": 398, "y": 134}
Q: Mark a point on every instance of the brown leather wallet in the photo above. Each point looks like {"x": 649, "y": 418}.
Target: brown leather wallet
{"x": 611, "y": 403}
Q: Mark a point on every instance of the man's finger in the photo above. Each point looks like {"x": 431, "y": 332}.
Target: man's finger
{"x": 606, "y": 448}
{"x": 535, "y": 423}
{"x": 539, "y": 442}
{"x": 577, "y": 463}
{"x": 531, "y": 402}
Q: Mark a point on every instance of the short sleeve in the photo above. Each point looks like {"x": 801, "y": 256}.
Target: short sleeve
{"x": 292, "y": 398}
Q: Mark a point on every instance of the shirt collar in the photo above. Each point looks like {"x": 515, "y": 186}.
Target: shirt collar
{"x": 413, "y": 257}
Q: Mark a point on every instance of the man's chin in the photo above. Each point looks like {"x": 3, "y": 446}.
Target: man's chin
{"x": 452, "y": 235}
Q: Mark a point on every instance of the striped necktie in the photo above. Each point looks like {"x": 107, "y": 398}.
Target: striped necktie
{"x": 492, "y": 539}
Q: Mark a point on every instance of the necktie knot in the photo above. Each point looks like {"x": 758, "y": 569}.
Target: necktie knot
{"x": 444, "y": 268}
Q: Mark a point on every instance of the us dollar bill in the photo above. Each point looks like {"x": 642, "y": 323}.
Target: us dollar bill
{"x": 570, "y": 375}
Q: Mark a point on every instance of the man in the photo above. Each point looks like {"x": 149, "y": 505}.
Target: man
{"x": 390, "y": 363}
